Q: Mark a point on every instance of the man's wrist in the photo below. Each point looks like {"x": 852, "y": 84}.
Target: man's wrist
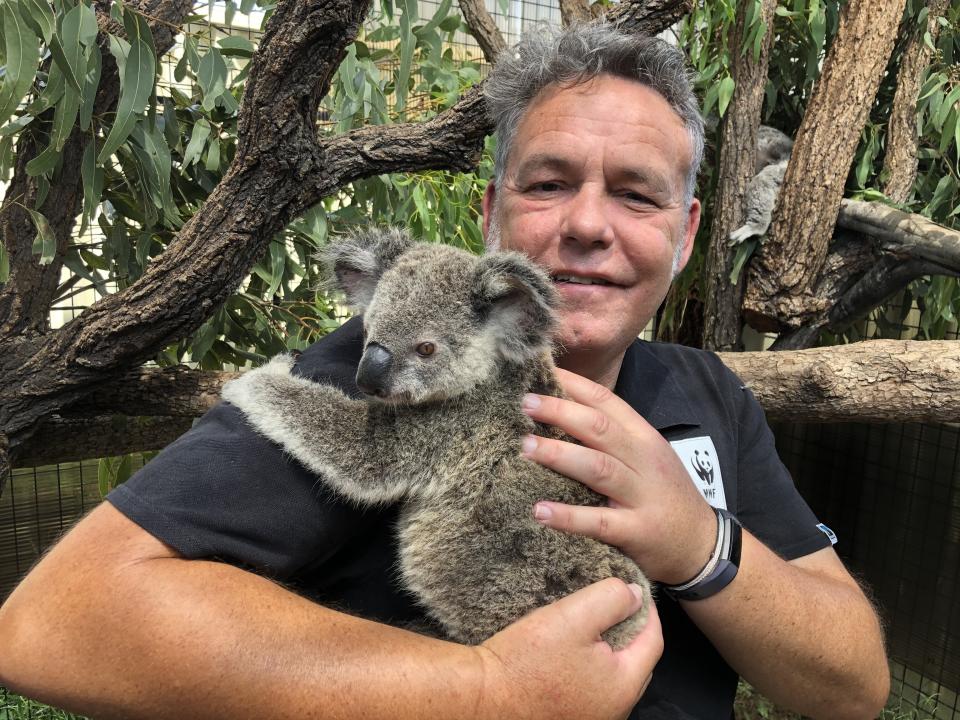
{"x": 722, "y": 566}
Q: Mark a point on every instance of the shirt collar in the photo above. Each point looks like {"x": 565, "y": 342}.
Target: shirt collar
{"x": 651, "y": 389}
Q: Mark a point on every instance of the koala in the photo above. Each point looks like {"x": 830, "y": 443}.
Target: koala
{"x": 773, "y": 154}
{"x": 452, "y": 341}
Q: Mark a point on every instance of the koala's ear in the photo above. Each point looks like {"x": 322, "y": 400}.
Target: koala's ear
{"x": 355, "y": 262}
{"x": 516, "y": 300}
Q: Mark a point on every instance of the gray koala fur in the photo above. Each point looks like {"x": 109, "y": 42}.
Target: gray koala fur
{"x": 773, "y": 154}
{"x": 444, "y": 437}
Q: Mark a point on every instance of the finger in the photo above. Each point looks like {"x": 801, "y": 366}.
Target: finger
{"x": 592, "y": 610}
{"x": 606, "y": 524}
{"x": 597, "y": 470}
{"x": 586, "y": 392}
{"x": 592, "y": 427}
{"x": 642, "y": 654}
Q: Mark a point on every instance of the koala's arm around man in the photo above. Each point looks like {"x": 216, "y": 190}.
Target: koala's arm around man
{"x": 114, "y": 624}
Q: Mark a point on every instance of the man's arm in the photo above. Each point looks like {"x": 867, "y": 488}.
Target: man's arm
{"x": 113, "y": 623}
{"x": 801, "y": 632}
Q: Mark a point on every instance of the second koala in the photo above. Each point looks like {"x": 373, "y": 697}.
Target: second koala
{"x": 451, "y": 343}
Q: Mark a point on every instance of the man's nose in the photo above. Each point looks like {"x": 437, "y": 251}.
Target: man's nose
{"x": 587, "y": 220}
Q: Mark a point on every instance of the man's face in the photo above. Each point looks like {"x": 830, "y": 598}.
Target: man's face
{"x": 593, "y": 191}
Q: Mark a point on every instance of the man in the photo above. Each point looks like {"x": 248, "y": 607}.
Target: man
{"x": 599, "y": 145}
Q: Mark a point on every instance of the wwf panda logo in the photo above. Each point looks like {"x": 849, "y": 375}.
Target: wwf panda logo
{"x": 703, "y": 465}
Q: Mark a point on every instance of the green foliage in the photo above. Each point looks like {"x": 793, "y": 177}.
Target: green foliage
{"x": 151, "y": 164}
{"x": 15, "y": 707}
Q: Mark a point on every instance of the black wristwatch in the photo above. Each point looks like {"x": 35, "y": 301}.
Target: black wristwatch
{"x": 722, "y": 566}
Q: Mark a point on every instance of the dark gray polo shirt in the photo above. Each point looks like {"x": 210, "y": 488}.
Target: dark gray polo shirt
{"x": 221, "y": 491}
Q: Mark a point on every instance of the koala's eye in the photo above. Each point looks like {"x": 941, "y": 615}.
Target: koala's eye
{"x": 426, "y": 349}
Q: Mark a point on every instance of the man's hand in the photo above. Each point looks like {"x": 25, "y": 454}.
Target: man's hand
{"x": 553, "y": 658}
{"x": 655, "y": 515}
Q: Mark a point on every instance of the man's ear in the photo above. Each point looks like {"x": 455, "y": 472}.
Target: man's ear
{"x": 355, "y": 262}
{"x": 515, "y": 300}
{"x": 488, "y": 208}
{"x": 693, "y": 223}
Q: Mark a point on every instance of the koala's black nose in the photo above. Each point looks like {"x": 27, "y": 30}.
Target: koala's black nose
{"x": 373, "y": 374}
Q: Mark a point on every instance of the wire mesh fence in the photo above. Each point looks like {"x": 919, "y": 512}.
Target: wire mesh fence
{"x": 891, "y": 492}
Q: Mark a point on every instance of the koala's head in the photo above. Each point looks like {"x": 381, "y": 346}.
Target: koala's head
{"x": 439, "y": 321}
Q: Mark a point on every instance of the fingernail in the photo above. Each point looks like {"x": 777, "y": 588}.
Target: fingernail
{"x": 542, "y": 512}
{"x": 637, "y": 591}
{"x": 530, "y": 402}
{"x": 528, "y": 444}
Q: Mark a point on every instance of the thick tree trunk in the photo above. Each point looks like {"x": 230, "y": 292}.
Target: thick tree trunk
{"x": 738, "y": 153}
{"x": 782, "y": 275}
{"x": 875, "y": 381}
{"x": 903, "y": 142}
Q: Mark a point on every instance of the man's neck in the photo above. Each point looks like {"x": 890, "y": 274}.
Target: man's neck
{"x": 602, "y": 369}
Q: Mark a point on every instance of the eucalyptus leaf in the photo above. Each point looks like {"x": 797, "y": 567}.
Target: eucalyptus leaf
{"x": 744, "y": 251}
{"x": 4, "y": 265}
{"x": 91, "y": 83}
{"x": 724, "y": 94}
{"x": 135, "y": 90}
{"x": 45, "y": 242}
{"x": 212, "y": 160}
{"x": 198, "y": 139}
{"x": 22, "y": 55}
{"x": 212, "y": 78}
{"x": 39, "y": 17}
{"x": 92, "y": 178}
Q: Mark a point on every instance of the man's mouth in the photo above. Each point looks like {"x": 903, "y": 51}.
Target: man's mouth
{"x": 579, "y": 279}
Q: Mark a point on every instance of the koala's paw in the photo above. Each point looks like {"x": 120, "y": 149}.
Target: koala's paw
{"x": 279, "y": 365}
{"x": 623, "y": 633}
{"x": 254, "y": 386}
{"x": 745, "y": 232}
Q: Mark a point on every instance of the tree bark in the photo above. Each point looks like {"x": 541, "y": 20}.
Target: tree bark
{"x": 874, "y": 381}
{"x": 903, "y": 142}
{"x": 781, "y": 277}
{"x": 483, "y": 28}
{"x": 575, "y": 11}
{"x": 737, "y": 165}
{"x": 71, "y": 439}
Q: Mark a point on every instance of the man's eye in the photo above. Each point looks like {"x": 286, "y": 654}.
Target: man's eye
{"x": 547, "y": 186}
{"x": 639, "y": 198}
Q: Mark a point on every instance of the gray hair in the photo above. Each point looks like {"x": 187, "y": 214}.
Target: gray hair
{"x": 578, "y": 54}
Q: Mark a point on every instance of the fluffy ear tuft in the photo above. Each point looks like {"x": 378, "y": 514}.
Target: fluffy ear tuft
{"x": 516, "y": 300}
{"x": 355, "y": 262}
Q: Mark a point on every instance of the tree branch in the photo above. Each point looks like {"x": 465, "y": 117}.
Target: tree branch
{"x": 648, "y": 17}
{"x": 483, "y": 28}
{"x": 900, "y": 161}
{"x": 782, "y": 275}
{"x": 873, "y": 381}
{"x": 71, "y": 439}
{"x": 575, "y": 11}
